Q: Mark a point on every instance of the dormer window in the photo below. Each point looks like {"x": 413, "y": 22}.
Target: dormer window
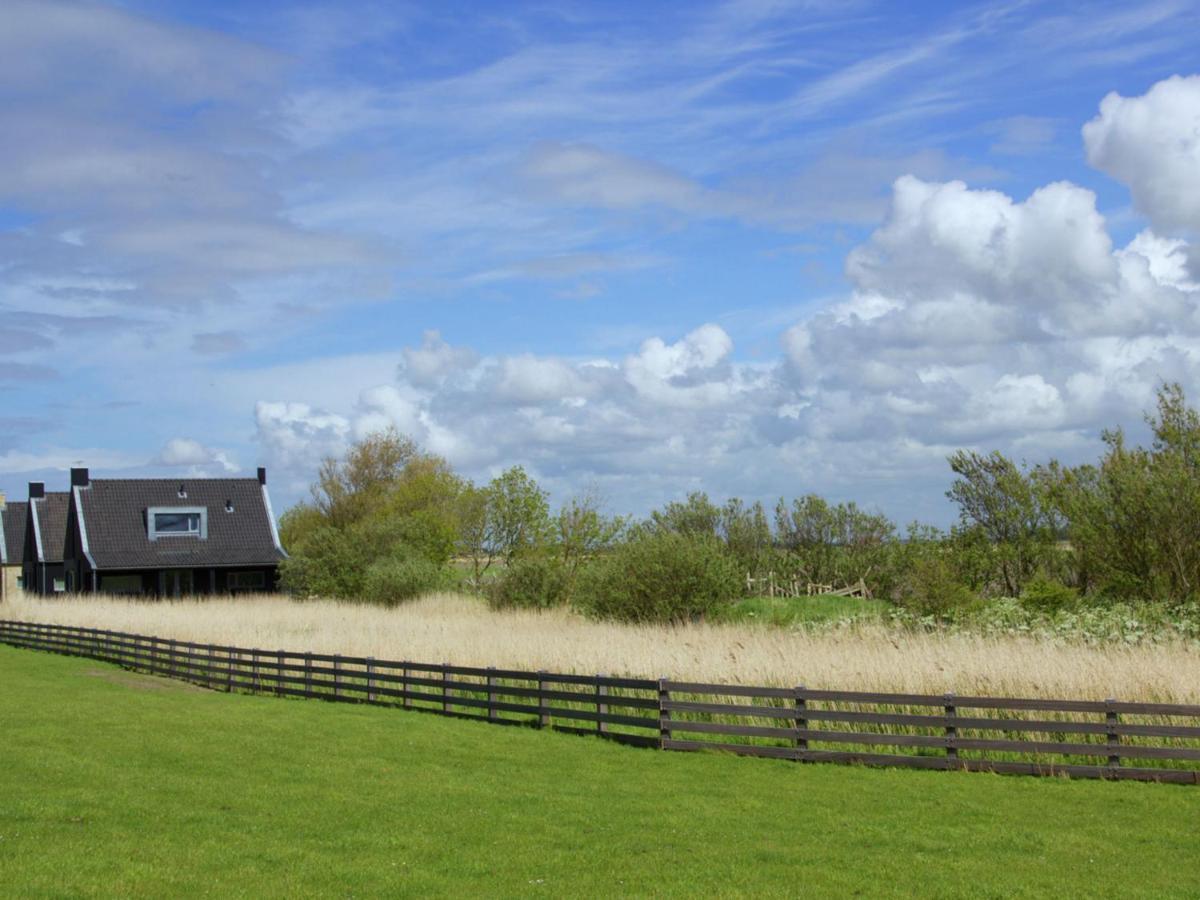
{"x": 164, "y": 521}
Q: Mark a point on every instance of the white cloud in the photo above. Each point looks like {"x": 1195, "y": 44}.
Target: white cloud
{"x": 435, "y": 359}
{"x": 296, "y": 437}
{"x": 1152, "y": 144}
{"x": 193, "y": 455}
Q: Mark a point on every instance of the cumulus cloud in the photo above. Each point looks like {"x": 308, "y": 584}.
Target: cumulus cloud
{"x": 973, "y": 318}
{"x": 1152, "y": 144}
{"x": 189, "y": 453}
{"x": 296, "y": 437}
{"x": 435, "y": 359}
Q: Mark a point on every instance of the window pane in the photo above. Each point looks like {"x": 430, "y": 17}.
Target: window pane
{"x": 176, "y": 523}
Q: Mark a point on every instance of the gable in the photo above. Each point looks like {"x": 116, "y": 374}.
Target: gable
{"x": 12, "y": 532}
{"x": 47, "y": 526}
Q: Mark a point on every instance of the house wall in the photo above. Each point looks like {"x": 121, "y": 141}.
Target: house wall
{"x": 10, "y": 581}
{"x": 40, "y": 577}
{"x": 157, "y": 582}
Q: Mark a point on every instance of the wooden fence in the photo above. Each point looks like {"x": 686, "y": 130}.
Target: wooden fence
{"x": 1081, "y": 738}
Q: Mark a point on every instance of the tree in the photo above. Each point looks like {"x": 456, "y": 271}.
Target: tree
{"x": 383, "y": 501}
{"x": 518, "y": 514}
{"x": 1004, "y": 503}
{"x": 832, "y": 543}
{"x": 695, "y": 517}
{"x": 745, "y": 530}
{"x": 347, "y": 488}
{"x": 475, "y": 539}
{"x": 582, "y": 529}
{"x": 1134, "y": 520}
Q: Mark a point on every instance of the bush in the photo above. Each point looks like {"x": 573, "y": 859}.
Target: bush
{"x": 1046, "y": 595}
{"x": 663, "y": 577}
{"x": 932, "y": 588}
{"x": 328, "y": 564}
{"x": 392, "y": 581}
{"x": 534, "y": 583}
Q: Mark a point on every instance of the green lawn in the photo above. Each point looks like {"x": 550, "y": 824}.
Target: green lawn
{"x": 114, "y": 784}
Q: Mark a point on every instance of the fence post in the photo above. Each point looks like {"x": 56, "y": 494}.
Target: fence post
{"x": 337, "y": 676}
{"x": 212, "y": 666}
{"x": 801, "y": 722}
{"x": 230, "y": 655}
{"x": 308, "y": 674}
{"x": 255, "y": 685}
{"x": 445, "y": 688}
{"x": 491, "y": 684}
{"x": 951, "y": 731}
{"x": 601, "y": 706}
{"x": 1113, "y": 738}
{"x": 279, "y": 673}
{"x": 405, "y": 687}
{"x": 171, "y": 652}
{"x": 664, "y": 714}
{"x": 543, "y": 708}
{"x": 370, "y": 679}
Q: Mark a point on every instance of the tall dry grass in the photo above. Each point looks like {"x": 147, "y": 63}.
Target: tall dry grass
{"x": 451, "y": 628}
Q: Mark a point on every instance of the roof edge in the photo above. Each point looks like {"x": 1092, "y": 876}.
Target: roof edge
{"x": 37, "y": 528}
{"x": 271, "y": 521}
{"x": 83, "y": 539}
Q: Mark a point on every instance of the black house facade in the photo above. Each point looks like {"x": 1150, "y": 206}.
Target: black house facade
{"x": 170, "y": 537}
{"x": 45, "y": 529}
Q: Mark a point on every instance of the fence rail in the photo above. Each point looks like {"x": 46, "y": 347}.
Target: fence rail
{"x": 1081, "y": 738}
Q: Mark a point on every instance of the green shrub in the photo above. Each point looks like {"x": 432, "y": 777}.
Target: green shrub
{"x": 392, "y": 581}
{"x": 663, "y": 577}
{"x": 931, "y": 587}
{"x": 532, "y": 583}
{"x": 1047, "y": 595}
{"x": 329, "y": 564}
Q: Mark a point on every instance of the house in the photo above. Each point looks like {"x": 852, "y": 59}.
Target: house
{"x": 12, "y": 546}
{"x": 170, "y": 537}
{"x": 45, "y": 528}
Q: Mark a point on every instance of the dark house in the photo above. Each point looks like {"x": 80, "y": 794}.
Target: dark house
{"x": 45, "y": 528}
{"x": 12, "y": 545}
{"x": 171, "y": 537}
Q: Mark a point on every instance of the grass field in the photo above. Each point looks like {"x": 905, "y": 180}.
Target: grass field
{"x": 866, "y": 655}
{"x": 787, "y": 611}
{"x": 119, "y": 784}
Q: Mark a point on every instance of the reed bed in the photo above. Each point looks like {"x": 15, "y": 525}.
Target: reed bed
{"x": 463, "y": 631}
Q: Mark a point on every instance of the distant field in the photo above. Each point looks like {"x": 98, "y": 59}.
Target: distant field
{"x": 119, "y": 784}
{"x": 867, "y": 655}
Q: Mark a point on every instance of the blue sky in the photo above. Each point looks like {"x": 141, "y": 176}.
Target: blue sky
{"x": 756, "y": 248}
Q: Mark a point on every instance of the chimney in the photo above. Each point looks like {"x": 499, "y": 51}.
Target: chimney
{"x": 262, "y": 475}
{"x": 79, "y": 478}
{"x": 3, "y": 499}
{"x": 37, "y": 489}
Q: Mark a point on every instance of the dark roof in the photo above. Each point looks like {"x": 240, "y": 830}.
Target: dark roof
{"x": 52, "y": 524}
{"x": 114, "y": 518}
{"x": 12, "y": 523}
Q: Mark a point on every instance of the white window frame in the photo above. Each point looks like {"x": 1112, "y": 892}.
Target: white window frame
{"x": 154, "y": 511}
